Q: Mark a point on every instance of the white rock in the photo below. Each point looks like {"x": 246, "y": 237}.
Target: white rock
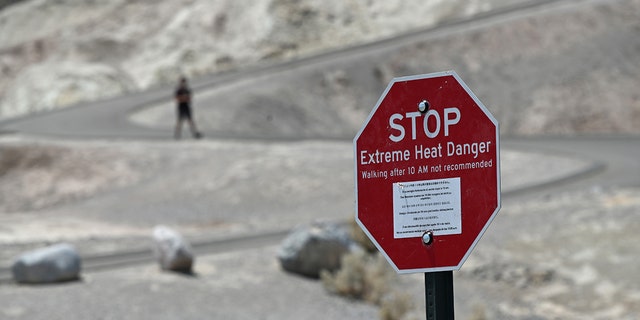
{"x": 172, "y": 251}
{"x": 51, "y": 264}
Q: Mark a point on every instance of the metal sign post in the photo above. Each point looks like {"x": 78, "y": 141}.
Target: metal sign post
{"x": 438, "y": 288}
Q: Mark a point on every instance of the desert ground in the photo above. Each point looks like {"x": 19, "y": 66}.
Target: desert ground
{"x": 560, "y": 76}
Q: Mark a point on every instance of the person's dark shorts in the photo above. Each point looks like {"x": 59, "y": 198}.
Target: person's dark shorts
{"x": 184, "y": 111}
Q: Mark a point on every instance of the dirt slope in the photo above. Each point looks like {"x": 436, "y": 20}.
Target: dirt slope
{"x": 57, "y": 53}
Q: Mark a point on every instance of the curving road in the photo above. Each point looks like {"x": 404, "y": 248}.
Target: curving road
{"x": 110, "y": 118}
{"x": 615, "y": 158}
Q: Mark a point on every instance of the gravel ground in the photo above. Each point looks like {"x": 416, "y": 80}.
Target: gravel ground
{"x": 232, "y": 188}
{"x": 571, "y": 279}
{"x": 242, "y": 285}
{"x": 578, "y": 262}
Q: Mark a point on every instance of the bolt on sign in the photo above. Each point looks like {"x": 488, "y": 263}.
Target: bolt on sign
{"x": 427, "y": 172}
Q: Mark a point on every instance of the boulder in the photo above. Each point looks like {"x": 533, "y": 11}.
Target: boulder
{"x": 56, "y": 263}
{"x": 172, "y": 251}
{"x": 310, "y": 249}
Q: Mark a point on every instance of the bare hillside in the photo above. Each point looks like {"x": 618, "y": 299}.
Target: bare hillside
{"x": 57, "y": 53}
{"x": 570, "y": 68}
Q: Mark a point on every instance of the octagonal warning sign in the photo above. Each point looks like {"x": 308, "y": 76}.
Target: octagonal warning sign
{"x": 427, "y": 172}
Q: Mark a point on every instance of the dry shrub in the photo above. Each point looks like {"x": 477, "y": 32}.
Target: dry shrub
{"x": 35, "y": 176}
{"x": 362, "y": 276}
{"x": 478, "y": 312}
{"x": 20, "y": 158}
{"x": 361, "y": 238}
{"x": 396, "y": 306}
{"x": 366, "y": 275}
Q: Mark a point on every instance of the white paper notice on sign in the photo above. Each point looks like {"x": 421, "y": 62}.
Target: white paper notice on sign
{"x": 427, "y": 205}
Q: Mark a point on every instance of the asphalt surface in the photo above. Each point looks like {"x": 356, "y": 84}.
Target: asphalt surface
{"x": 110, "y": 118}
{"x": 615, "y": 157}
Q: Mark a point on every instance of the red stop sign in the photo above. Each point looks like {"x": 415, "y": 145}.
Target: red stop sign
{"x": 427, "y": 162}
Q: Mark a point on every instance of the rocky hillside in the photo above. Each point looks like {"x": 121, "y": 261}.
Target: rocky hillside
{"x": 569, "y": 68}
{"x": 57, "y": 53}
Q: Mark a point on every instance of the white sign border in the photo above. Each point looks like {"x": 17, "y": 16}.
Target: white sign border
{"x": 355, "y": 151}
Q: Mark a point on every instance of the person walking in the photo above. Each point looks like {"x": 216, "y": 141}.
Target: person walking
{"x": 184, "y": 112}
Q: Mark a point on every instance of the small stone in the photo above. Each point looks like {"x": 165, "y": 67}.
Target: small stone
{"x": 172, "y": 251}
{"x": 56, "y": 263}
{"x": 311, "y": 249}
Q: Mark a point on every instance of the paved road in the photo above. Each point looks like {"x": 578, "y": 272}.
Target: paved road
{"x": 616, "y": 158}
{"x": 109, "y": 118}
